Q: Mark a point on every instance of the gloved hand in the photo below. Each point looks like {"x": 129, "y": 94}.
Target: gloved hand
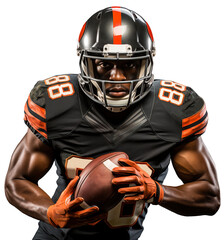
{"x": 144, "y": 186}
{"x": 68, "y": 214}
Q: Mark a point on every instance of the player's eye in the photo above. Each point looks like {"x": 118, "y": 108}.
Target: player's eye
{"x": 104, "y": 64}
{"x": 130, "y": 65}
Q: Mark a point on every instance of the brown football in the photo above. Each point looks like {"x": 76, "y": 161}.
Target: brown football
{"x": 95, "y": 182}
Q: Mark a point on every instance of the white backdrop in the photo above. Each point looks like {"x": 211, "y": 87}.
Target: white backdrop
{"x": 38, "y": 40}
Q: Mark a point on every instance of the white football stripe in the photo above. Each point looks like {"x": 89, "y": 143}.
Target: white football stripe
{"x": 109, "y": 164}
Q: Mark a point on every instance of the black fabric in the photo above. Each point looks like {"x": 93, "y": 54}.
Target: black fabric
{"x": 147, "y": 131}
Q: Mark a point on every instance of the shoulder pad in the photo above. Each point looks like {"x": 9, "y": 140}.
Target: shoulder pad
{"x": 62, "y": 105}
{"x": 35, "y": 112}
{"x": 178, "y": 113}
{"x": 51, "y": 104}
{"x": 37, "y": 93}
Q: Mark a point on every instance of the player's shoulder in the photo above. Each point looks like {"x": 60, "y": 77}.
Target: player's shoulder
{"x": 50, "y": 104}
{"x": 179, "y": 112}
{"x": 54, "y": 87}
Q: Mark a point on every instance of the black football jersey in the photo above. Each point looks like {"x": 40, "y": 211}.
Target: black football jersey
{"x": 79, "y": 130}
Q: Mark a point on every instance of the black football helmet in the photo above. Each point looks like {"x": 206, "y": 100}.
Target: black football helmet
{"x": 117, "y": 34}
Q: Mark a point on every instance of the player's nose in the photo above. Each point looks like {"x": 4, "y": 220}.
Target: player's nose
{"x": 117, "y": 74}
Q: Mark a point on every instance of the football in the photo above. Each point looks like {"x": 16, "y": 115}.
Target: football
{"x": 95, "y": 182}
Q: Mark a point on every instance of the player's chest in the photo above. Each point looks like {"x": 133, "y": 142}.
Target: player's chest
{"x": 90, "y": 140}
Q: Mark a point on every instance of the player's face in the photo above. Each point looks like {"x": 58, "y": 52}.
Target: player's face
{"x": 117, "y": 71}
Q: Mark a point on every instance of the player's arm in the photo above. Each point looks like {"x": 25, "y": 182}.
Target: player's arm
{"x": 199, "y": 194}
{"x": 30, "y": 161}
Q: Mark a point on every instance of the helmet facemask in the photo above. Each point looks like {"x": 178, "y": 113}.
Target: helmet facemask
{"x": 95, "y": 87}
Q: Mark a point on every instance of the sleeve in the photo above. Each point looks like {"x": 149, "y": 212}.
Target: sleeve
{"x": 35, "y": 112}
{"x": 179, "y": 114}
{"x": 195, "y": 116}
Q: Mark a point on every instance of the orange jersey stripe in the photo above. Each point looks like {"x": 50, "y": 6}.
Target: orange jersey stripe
{"x": 37, "y": 109}
{"x": 200, "y": 132}
{"x": 194, "y": 118}
{"x": 192, "y": 130}
{"x": 117, "y": 27}
{"x": 34, "y": 122}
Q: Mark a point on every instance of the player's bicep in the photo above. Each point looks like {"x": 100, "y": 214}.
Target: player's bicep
{"x": 31, "y": 159}
{"x": 193, "y": 162}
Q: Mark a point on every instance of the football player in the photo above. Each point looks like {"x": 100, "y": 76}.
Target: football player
{"x": 114, "y": 104}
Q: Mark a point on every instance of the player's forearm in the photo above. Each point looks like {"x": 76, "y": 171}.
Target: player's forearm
{"x": 28, "y": 198}
{"x": 191, "y": 199}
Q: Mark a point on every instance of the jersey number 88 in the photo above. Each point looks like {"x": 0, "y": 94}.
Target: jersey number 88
{"x": 59, "y": 90}
{"x": 173, "y": 96}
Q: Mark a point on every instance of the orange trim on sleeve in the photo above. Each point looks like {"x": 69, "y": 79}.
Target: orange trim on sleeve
{"x": 194, "y": 118}
{"x": 36, "y": 108}
{"x": 200, "y": 132}
{"x": 192, "y": 130}
{"x": 34, "y": 122}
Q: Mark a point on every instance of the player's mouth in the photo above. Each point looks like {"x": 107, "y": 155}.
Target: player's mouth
{"x": 117, "y": 92}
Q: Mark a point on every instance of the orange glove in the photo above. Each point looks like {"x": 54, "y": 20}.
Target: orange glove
{"x": 145, "y": 187}
{"x": 68, "y": 214}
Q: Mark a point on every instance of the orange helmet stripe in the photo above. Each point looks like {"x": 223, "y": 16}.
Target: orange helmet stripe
{"x": 117, "y": 30}
{"x": 82, "y": 31}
